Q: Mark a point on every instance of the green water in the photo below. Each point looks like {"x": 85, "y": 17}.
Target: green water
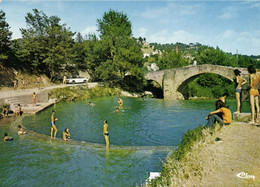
{"x": 141, "y": 135}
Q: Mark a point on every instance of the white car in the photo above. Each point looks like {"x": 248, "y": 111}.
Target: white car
{"x": 77, "y": 80}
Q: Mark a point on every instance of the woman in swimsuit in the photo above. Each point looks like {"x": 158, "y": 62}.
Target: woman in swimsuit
{"x": 254, "y": 93}
{"x": 239, "y": 82}
{"x": 105, "y": 132}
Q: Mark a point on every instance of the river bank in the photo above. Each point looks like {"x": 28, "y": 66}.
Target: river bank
{"x": 216, "y": 163}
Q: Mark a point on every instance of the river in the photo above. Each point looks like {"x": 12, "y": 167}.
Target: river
{"x": 142, "y": 134}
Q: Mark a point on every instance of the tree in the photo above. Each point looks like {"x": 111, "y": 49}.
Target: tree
{"x": 170, "y": 59}
{"x": 117, "y": 54}
{"x": 47, "y": 45}
{"x": 5, "y": 39}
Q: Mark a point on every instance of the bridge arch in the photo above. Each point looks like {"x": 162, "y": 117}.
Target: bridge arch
{"x": 183, "y": 88}
{"x": 173, "y": 80}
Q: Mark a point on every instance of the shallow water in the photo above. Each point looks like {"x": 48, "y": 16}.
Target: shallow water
{"x": 157, "y": 125}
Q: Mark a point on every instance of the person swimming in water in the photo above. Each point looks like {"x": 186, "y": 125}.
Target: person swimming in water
{"x": 91, "y": 104}
{"x": 7, "y": 138}
{"x": 53, "y": 126}
{"x": 105, "y": 132}
{"x": 20, "y": 130}
{"x": 120, "y": 102}
{"x": 66, "y": 135}
{"x": 254, "y": 79}
{"x": 239, "y": 80}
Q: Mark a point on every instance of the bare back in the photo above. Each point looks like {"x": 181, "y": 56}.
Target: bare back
{"x": 254, "y": 80}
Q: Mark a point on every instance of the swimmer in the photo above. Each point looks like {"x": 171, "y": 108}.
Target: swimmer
{"x": 53, "y": 126}
{"x": 117, "y": 109}
{"x": 7, "y": 138}
{"x": 254, "y": 93}
{"x": 66, "y": 135}
{"x": 91, "y": 104}
{"x": 20, "y": 130}
{"x": 105, "y": 133}
{"x": 19, "y": 110}
{"x": 120, "y": 102}
{"x": 34, "y": 96}
{"x": 239, "y": 82}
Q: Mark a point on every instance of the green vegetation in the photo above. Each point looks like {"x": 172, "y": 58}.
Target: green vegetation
{"x": 48, "y": 47}
{"x": 82, "y": 93}
{"x": 174, "y": 166}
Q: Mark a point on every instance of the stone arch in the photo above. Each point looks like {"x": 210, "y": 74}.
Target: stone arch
{"x": 184, "y": 85}
{"x": 156, "y": 90}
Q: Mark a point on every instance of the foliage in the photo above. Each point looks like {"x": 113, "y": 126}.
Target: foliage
{"x": 5, "y": 38}
{"x": 117, "y": 53}
{"x": 175, "y": 164}
{"x": 46, "y": 45}
{"x": 81, "y": 93}
{"x": 210, "y": 86}
{"x": 171, "y": 59}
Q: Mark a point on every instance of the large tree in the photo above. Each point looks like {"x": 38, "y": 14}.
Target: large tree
{"x": 5, "y": 39}
{"x": 117, "y": 54}
{"x": 47, "y": 45}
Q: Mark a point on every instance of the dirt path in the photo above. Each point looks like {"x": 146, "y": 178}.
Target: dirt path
{"x": 215, "y": 163}
{"x": 11, "y": 93}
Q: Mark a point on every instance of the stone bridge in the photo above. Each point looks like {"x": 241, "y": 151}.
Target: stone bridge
{"x": 175, "y": 81}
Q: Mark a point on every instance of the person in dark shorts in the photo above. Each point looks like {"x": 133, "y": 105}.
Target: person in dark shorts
{"x": 53, "y": 126}
{"x": 105, "y": 132}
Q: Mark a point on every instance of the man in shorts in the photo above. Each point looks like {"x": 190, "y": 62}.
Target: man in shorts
{"x": 53, "y": 126}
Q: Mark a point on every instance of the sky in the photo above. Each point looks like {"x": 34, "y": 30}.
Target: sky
{"x": 231, "y": 25}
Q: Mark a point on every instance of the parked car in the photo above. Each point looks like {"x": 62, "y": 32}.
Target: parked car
{"x": 77, "y": 80}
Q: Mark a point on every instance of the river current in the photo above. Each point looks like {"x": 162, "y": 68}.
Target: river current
{"x": 142, "y": 134}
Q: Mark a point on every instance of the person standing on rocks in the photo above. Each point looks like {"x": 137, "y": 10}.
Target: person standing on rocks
{"x": 38, "y": 82}
{"x": 239, "y": 80}
{"x": 34, "y": 96}
{"x": 254, "y": 79}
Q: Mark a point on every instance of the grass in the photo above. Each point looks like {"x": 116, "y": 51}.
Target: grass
{"x": 178, "y": 166}
{"x": 81, "y": 93}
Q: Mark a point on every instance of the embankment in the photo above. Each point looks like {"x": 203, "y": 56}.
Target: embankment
{"x": 200, "y": 160}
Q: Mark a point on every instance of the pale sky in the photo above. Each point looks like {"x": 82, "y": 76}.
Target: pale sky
{"x": 230, "y": 25}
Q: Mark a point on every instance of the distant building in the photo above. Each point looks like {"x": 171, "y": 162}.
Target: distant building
{"x": 153, "y": 67}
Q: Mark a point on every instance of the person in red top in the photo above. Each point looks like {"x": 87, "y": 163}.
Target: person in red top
{"x": 224, "y": 117}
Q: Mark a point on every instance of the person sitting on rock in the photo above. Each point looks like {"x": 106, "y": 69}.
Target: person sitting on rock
{"x": 222, "y": 115}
